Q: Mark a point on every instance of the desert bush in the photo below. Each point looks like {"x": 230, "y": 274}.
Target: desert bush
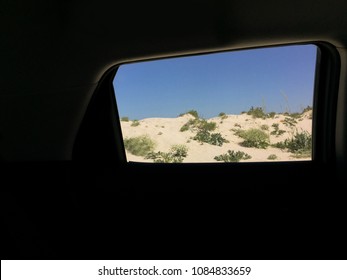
{"x": 232, "y": 156}
{"x": 189, "y": 125}
{"x": 179, "y": 151}
{"x": 257, "y": 112}
{"x": 185, "y": 127}
{"x": 295, "y": 115}
{"x": 217, "y": 139}
{"x": 254, "y": 138}
{"x": 140, "y": 145}
{"x": 135, "y": 123}
{"x": 308, "y": 108}
{"x": 222, "y": 115}
{"x": 264, "y": 127}
{"x": 205, "y": 125}
{"x": 238, "y": 132}
{"x": 124, "y": 119}
{"x": 280, "y": 145}
{"x": 204, "y": 136}
{"x": 272, "y": 157}
{"x": 194, "y": 113}
{"x": 271, "y": 115}
{"x": 300, "y": 144}
{"x": 290, "y": 122}
{"x": 203, "y": 128}
{"x": 276, "y": 130}
{"x": 199, "y": 124}
{"x": 176, "y": 154}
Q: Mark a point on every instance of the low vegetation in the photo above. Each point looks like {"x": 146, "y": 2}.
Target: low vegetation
{"x": 307, "y": 109}
{"x": 300, "y": 144}
{"x": 222, "y": 115}
{"x": 198, "y": 124}
{"x": 135, "y": 123}
{"x": 194, "y": 113}
{"x": 257, "y": 112}
{"x": 140, "y": 145}
{"x": 264, "y": 127}
{"x": 232, "y": 156}
{"x": 254, "y": 137}
{"x": 276, "y": 130}
{"x": 272, "y": 157}
{"x": 176, "y": 154}
{"x": 290, "y": 121}
{"x": 203, "y": 129}
{"x": 255, "y": 134}
{"x": 204, "y": 136}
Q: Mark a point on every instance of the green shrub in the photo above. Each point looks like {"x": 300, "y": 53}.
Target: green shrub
{"x": 179, "y": 151}
{"x": 300, "y": 144}
{"x": 272, "y": 157}
{"x": 264, "y": 127}
{"x": 140, "y": 145}
{"x": 198, "y": 124}
{"x": 204, "y": 136}
{"x": 238, "y": 132}
{"x": 189, "y": 125}
{"x": 203, "y": 129}
{"x": 257, "y": 112}
{"x": 295, "y": 115}
{"x": 280, "y": 145}
{"x": 194, "y": 113}
{"x": 290, "y": 122}
{"x": 223, "y": 115}
{"x": 185, "y": 127}
{"x": 124, "y": 119}
{"x": 217, "y": 139}
{"x": 308, "y": 108}
{"x": 135, "y": 123}
{"x": 276, "y": 130}
{"x": 205, "y": 125}
{"x": 271, "y": 115}
{"x": 254, "y": 138}
{"x": 176, "y": 154}
{"x": 232, "y": 156}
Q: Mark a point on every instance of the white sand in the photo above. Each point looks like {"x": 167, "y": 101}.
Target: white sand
{"x": 166, "y": 132}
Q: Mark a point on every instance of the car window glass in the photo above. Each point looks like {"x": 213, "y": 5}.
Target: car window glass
{"x": 238, "y": 106}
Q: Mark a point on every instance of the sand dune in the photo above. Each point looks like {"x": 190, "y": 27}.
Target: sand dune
{"x": 166, "y": 132}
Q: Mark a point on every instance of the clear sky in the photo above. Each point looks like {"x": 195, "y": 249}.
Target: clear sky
{"x": 278, "y": 79}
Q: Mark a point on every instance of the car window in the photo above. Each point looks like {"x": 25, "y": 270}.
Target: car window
{"x": 238, "y": 106}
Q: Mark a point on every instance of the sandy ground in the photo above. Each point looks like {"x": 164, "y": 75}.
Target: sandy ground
{"x": 166, "y": 132}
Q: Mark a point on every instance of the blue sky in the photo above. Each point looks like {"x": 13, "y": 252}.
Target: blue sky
{"x": 278, "y": 79}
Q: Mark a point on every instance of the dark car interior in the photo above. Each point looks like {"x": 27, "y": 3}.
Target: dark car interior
{"x": 67, "y": 191}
